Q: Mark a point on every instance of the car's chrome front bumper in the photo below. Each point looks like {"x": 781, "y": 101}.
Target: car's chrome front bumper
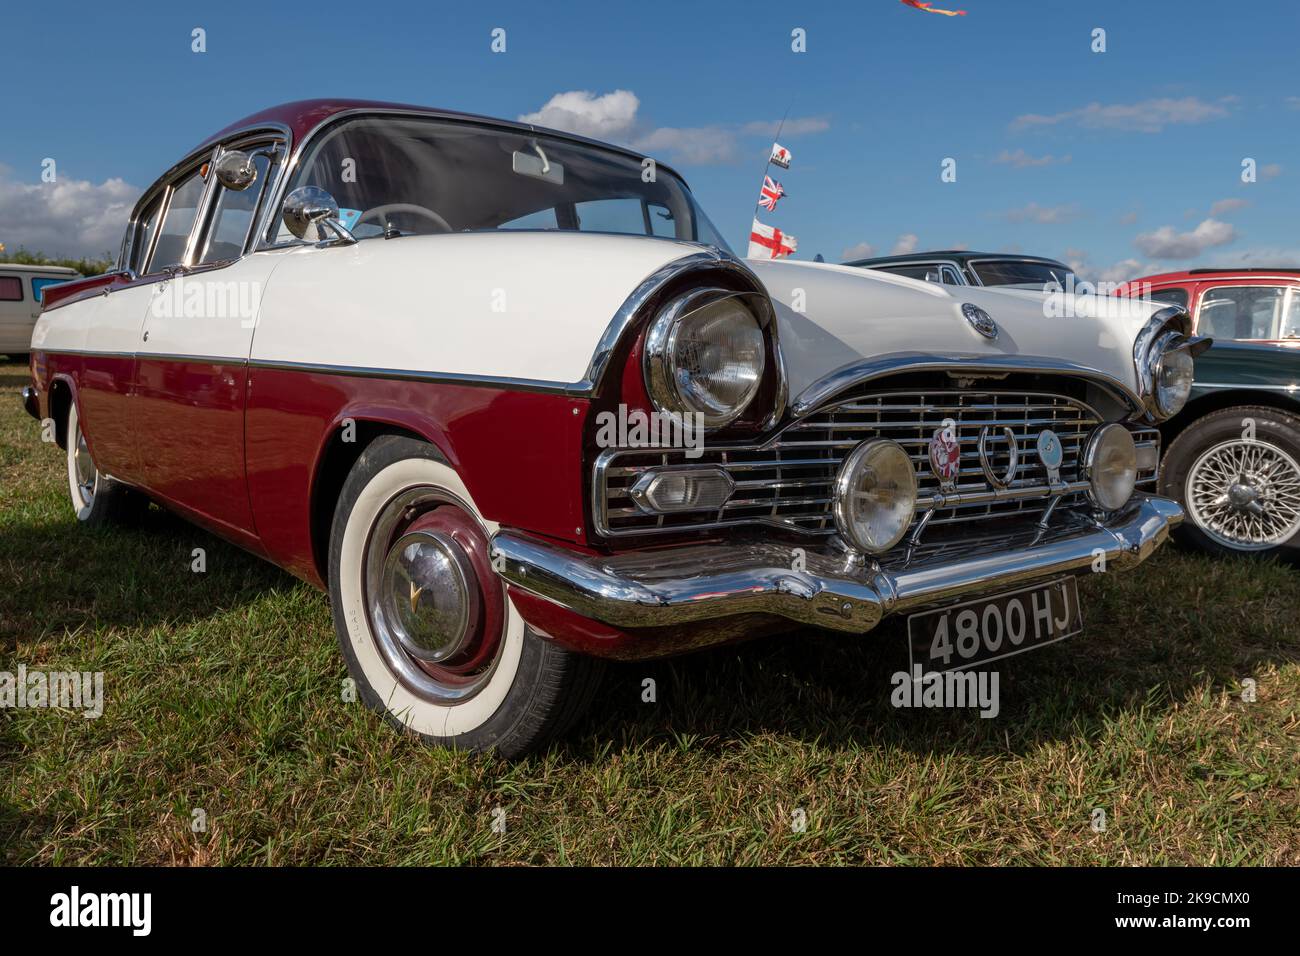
{"x": 684, "y": 584}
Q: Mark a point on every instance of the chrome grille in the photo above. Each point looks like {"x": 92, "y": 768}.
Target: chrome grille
{"x": 788, "y": 480}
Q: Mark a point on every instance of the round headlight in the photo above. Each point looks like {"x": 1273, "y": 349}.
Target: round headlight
{"x": 1172, "y": 379}
{"x": 875, "y": 495}
{"x": 708, "y": 359}
{"x": 1110, "y": 463}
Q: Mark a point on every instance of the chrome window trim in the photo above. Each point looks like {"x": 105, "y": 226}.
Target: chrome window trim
{"x": 273, "y": 150}
{"x": 299, "y": 148}
{"x": 1287, "y": 291}
{"x": 970, "y": 264}
{"x": 896, "y": 263}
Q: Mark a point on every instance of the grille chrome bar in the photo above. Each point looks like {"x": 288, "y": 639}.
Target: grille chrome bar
{"x": 788, "y": 480}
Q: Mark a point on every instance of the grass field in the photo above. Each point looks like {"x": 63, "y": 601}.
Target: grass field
{"x": 223, "y": 694}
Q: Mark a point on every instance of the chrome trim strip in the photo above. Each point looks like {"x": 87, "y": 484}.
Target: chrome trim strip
{"x": 866, "y": 370}
{"x": 706, "y": 582}
{"x": 1247, "y": 386}
{"x": 415, "y": 375}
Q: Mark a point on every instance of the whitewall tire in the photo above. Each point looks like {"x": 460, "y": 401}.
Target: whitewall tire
{"x": 429, "y": 634}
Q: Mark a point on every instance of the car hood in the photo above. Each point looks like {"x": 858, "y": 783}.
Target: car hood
{"x": 832, "y": 316}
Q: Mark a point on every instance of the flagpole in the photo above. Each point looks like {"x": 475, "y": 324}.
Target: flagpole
{"x": 775, "y": 139}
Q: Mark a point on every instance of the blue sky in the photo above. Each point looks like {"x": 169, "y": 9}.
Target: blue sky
{"x": 1112, "y": 160}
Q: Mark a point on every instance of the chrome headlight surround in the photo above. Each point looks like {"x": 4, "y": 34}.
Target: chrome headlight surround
{"x": 1110, "y": 466}
{"x": 875, "y": 472}
{"x": 1165, "y": 347}
{"x": 671, "y": 387}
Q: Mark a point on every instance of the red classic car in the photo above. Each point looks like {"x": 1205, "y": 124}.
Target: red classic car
{"x": 505, "y": 393}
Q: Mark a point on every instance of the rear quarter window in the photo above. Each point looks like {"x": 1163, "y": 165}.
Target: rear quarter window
{"x": 1173, "y": 295}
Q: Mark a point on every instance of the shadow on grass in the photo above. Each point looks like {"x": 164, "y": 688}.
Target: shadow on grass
{"x": 1151, "y": 639}
{"x": 60, "y": 575}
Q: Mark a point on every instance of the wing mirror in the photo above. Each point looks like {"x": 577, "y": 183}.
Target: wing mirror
{"x": 311, "y": 213}
{"x": 235, "y": 170}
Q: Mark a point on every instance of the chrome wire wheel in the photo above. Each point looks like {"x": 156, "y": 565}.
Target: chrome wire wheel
{"x": 437, "y": 616}
{"x": 1245, "y": 494}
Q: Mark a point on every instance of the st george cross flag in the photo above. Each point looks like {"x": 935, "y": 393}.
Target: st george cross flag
{"x": 780, "y": 156}
{"x": 770, "y": 193}
{"x": 768, "y": 242}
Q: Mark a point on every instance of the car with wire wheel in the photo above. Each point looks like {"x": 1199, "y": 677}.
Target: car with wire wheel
{"x": 505, "y": 394}
{"x": 1233, "y": 454}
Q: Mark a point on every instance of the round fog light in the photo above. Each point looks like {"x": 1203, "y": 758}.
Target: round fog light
{"x": 875, "y": 495}
{"x": 1110, "y": 465}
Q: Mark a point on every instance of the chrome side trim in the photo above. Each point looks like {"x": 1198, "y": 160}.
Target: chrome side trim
{"x": 415, "y": 375}
{"x": 704, "y": 582}
{"x": 866, "y": 370}
{"x": 1247, "y": 387}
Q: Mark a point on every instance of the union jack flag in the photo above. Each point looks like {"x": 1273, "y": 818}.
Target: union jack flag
{"x": 770, "y": 193}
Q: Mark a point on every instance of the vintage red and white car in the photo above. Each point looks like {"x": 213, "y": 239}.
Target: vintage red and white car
{"x": 507, "y": 396}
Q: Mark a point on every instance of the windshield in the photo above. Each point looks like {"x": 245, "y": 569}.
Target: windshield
{"x": 1028, "y": 275}
{"x": 409, "y": 176}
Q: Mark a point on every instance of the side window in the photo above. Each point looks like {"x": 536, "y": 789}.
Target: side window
{"x": 611, "y": 215}
{"x": 38, "y": 286}
{"x": 1242, "y": 312}
{"x": 662, "y": 222}
{"x": 11, "y": 289}
{"x": 949, "y": 276}
{"x": 174, "y": 233}
{"x": 144, "y": 235}
{"x": 233, "y": 216}
{"x": 541, "y": 219}
{"x": 1174, "y": 296}
{"x": 1291, "y": 318}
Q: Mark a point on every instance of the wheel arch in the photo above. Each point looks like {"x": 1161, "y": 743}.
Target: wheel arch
{"x": 1220, "y": 399}
{"x": 337, "y": 455}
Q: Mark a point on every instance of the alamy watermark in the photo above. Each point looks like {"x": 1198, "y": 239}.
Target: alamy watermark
{"x": 939, "y": 689}
{"x": 639, "y": 429}
{"x": 59, "y": 690}
{"x": 207, "y": 299}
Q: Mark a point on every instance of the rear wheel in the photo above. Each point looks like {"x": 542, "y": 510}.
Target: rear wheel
{"x": 96, "y": 498}
{"x": 426, "y": 627}
{"x": 1236, "y": 473}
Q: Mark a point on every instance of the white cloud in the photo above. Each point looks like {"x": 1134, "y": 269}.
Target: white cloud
{"x": 863, "y": 250}
{"x": 1147, "y": 116}
{"x": 69, "y": 217}
{"x": 1044, "y": 215}
{"x": 905, "y": 245}
{"x": 614, "y": 117}
{"x": 1166, "y": 243}
{"x": 609, "y": 116}
{"x": 1081, "y": 264}
{"x": 1020, "y": 159}
{"x": 700, "y": 146}
{"x": 1270, "y": 171}
{"x": 1228, "y": 205}
{"x": 1293, "y": 102}
{"x": 1128, "y": 218}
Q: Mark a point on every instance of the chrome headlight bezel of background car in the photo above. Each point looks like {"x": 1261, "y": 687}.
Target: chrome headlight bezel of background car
{"x": 674, "y": 392}
{"x": 1164, "y": 346}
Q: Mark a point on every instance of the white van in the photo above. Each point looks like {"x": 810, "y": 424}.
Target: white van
{"x": 20, "y": 301}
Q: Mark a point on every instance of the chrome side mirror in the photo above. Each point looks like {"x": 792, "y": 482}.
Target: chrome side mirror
{"x": 235, "y": 170}
{"x": 311, "y": 213}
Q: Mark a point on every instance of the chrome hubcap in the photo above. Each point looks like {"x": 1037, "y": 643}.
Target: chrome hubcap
{"x": 426, "y": 597}
{"x": 1245, "y": 494}
{"x": 84, "y": 467}
{"x": 437, "y": 629}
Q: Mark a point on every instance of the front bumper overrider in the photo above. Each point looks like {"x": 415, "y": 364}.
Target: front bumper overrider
{"x": 664, "y": 587}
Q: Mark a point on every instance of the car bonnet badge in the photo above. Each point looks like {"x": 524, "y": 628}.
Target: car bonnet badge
{"x": 945, "y": 455}
{"x": 1051, "y": 454}
{"x": 980, "y": 320}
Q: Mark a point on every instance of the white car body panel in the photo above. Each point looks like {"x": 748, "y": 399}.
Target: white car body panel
{"x": 513, "y": 305}
{"x": 832, "y": 316}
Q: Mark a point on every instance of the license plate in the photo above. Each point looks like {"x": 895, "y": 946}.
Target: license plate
{"x": 975, "y": 632}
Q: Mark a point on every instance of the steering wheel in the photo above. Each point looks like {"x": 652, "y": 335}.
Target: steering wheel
{"x": 377, "y": 212}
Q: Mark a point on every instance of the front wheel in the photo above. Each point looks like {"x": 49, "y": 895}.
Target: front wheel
{"x": 426, "y": 627}
{"x": 1236, "y": 473}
